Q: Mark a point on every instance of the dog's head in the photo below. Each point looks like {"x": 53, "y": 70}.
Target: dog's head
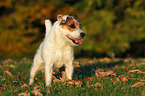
{"x": 70, "y": 27}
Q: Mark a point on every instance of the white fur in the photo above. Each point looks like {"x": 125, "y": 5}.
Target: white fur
{"x": 48, "y": 26}
{"x": 55, "y": 51}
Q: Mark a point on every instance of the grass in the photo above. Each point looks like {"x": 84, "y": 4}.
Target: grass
{"x": 14, "y": 73}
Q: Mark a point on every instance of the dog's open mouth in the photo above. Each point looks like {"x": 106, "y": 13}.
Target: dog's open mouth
{"x": 75, "y": 41}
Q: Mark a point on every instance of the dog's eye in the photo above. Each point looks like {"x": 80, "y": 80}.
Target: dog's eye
{"x": 72, "y": 26}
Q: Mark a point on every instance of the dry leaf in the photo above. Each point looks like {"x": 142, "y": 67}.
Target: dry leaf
{"x": 76, "y": 82}
{"x": 105, "y": 73}
{"x": 24, "y": 94}
{"x": 91, "y": 62}
{"x": 138, "y": 71}
{"x": 91, "y": 78}
{"x": 15, "y": 82}
{"x": 98, "y": 84}
{"x": 138, "y": 84}
{"x": 105, "y": 60}
{"x": 55, "y": 80}
{"x": 101, "y": 74}
{"x": 25, "y": 85}
{"x": 96, "y": 74}
{"x": 143, "y": 93}
{"x": 9, "y": 73}
{"x": 114, "y": 74}
{"x": 86, "y": 60}
{"x": 48, "y": 90}
{"x": 36, "y": 93}
{"x": 125, "y": 79}
{"x": 96, "y": 89}
{"x": 76, "y": 64}
{"x": 117, "y": 79}
{"x": 36, "y": 88}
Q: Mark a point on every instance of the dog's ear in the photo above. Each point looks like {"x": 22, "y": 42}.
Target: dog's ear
{"x": 74, "y": 16}
{"x": 59, "y": 18}
{"x": 62, "y": 18}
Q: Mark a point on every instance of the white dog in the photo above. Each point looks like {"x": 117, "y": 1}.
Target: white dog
{"x": 57, "y": 48}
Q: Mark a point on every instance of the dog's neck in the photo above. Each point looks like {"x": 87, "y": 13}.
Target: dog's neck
{"x": 56, "y": 33}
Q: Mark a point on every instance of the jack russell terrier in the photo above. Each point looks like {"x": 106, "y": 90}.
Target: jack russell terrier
{"x": 57, "y": 48}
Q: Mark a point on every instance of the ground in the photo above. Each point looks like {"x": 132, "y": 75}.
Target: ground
{"x": 92, "y": 77}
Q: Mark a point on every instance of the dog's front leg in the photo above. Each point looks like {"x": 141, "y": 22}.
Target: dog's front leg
{"x": 69, "y": 70}
{"x": 48, "y": 74}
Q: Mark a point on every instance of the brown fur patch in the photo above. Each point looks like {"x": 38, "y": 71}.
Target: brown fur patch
{"x": 71, "y": 24}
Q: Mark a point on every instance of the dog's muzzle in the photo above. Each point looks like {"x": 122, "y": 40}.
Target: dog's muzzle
{"x": 74, "y": 40}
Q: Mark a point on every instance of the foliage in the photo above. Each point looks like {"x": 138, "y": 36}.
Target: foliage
{"x": 110, "y": 25}
{"x": 101, "y": 77}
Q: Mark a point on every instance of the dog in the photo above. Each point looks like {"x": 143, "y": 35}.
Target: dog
{"x": 57, "y": 48}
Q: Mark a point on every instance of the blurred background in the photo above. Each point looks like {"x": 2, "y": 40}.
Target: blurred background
{"x": 113, "y": 27}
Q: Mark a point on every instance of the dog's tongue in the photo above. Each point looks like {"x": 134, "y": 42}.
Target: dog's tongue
{"x": 78, "y": 41}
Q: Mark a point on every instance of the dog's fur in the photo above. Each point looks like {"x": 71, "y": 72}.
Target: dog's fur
{"x": 57, "y": 48}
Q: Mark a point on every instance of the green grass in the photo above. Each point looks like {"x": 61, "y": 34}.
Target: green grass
{"x": 20, "y": 69}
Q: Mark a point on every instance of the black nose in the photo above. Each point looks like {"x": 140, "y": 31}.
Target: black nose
{"x": 82, "y": 35}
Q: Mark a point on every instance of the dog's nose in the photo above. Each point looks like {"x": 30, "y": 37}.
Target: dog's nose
{"x": 82, "y": 35}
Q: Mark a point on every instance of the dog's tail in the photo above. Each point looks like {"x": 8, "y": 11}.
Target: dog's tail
{"x": 48, "y": 26}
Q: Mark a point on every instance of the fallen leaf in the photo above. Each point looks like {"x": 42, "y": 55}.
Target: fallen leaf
{"x": 36, "y": 93}
{"x": 86, "y": 60}
{"x": 15, "y": 82}
{"x": 138, "y": 84}
{"x": 138, "y": 71}
{"x": 105, "y": 59}
{"x": 96, "y": 73}
{"x": 40, "y": 83}
{"x": 114, "y": 74}
{"x": 117, "y": 79}
{"x": 105, "y": 73}
{"x": 125, "y": 79}
{"x": 1, "y": 89}
{"x": 12, "y": 66}
{"x": 9, "y": 73}
{"x": 48, "y": 90}
{"x": 55, "y": 80}
{"x": 91, "y": 78}
{"x": 143, "y": 93}
{"x": 90, "y": 62}
{"x": 75, "y": 82}
{"x": 98, "y": 84}
{"x": 24, "y": 94}
{"x": 96, "y": 89}
{"x": 76, "y": 64}
{"x": 101, "y": 74}
{"x": 36, "y": 88}
{"x": 25, "y": 85}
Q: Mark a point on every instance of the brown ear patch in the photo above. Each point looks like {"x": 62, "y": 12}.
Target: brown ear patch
{"x": 74, "y": 16}
{"x": 70, "y": 24}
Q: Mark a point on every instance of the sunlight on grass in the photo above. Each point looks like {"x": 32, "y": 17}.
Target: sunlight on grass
{"x": 99, "y": 77}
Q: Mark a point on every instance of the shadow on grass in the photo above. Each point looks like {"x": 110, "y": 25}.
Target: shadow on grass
{"x": 89, "y": 70}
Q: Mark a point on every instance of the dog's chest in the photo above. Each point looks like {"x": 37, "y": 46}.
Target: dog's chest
{"x": 60, "y": 58}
